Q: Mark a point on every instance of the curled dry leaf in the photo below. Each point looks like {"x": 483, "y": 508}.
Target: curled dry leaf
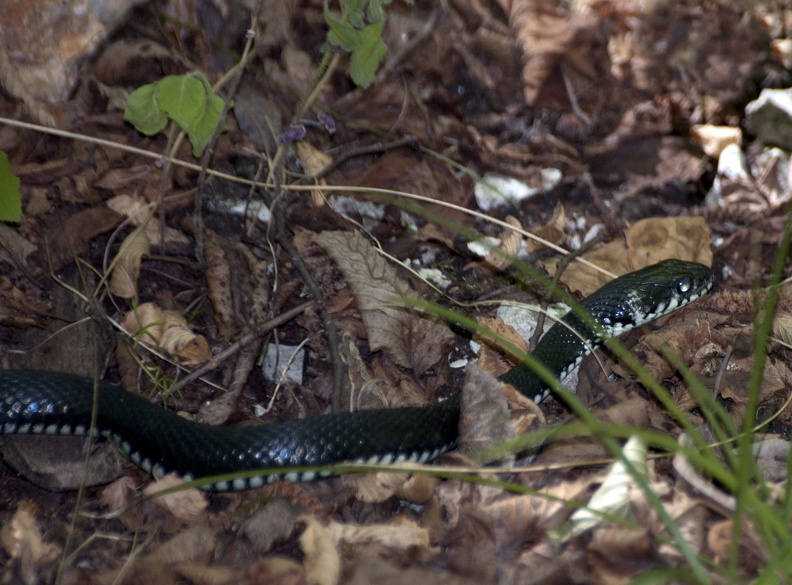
{"x": 126, "y": 265}
{"x": 411, "y": 340}
{"x": 322, "y": 560}
{"x": 501, "y": 257}
{"x": 188, "y": 505}
{"x": 396, "y": 536}
{"x": 375, "y": 487}
{"x": 23, "y": 541}
{"x": 418, "y": 489}
{"x": 314, "y": 161}
{"x": 168, "y": 331}
{"x": 141, "y": 213}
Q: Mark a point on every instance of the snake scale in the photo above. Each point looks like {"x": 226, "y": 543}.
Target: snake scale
{"x": 41, "y": 402}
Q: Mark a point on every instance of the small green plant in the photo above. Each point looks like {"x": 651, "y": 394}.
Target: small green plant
{"x": 10, "y": 196}
{"x": 188, "y": 100}
{"x": 358, "y": 31}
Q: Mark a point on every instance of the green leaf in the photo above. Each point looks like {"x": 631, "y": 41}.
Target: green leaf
{"x": 10, "y": 196}
{"x": 341, "y": 35}
{"x": 365, "y": 58}
{"x": 182, "y": 98}
{"x": 202, "y": 129}
{"x": 143, "y": 111}
{"x": 353, "y": 10}
{"x": 376, "y": 10}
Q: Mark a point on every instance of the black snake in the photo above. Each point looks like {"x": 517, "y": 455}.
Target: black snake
{"x": 41, "y": 402}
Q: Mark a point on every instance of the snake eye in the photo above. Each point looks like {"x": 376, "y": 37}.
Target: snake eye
{"x": 684, "y": 285}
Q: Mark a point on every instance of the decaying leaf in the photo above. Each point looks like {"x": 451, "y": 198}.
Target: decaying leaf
{"x": 218, "y": 278}
{"x": 19, "y": 308}
{"x": 486, "y": 422}
{"x": 126, "y": 266}
{"x": 168, "y": 331}
{"x": 413, "y": 341}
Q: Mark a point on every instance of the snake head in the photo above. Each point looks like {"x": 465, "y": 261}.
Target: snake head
{"x": 644, "y": 295}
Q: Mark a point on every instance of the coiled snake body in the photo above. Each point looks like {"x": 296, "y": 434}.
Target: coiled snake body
{"x": 33, "y": 401}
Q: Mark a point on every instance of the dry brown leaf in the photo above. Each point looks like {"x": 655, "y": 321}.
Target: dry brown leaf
{"x": 218, "y": 278}
{"x": 412, "y": 341}
{"x": 322, "y": 560}
{"x": 126, "y": 265}
{"x": 258, "y": 269}
{"x": 69, "y": 239}
{"x": 550, "y": 36}
{"x": 168, "y": 331}
{"x": 188, "y": 505}
{"x": 646, "y": 242}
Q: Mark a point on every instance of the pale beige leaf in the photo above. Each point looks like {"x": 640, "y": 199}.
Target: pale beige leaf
{"x": 314, "y": 162}
{"x": 395, "y": 536}
{"x": 188, "y": 505}
{"x": 375, "y": 487}
{"x": 23, "y": 540}
{"x": 195, "y": 543}
{"x": 126, "y": 266}
{"x": 322, "y": 559}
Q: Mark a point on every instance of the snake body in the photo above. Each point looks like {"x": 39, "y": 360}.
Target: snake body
{"x": 40, "y": 402}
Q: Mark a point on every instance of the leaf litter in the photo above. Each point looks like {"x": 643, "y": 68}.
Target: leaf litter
{"x": 612, "y": 97}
